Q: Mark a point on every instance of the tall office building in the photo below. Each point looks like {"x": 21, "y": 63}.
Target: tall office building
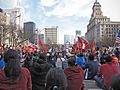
{"x": 51, "y": 35}
{"x": 100, "y": 28}
{"x": 68, "y": 38}
{"x": 78, "y": 32}
{"x": 29, "y": 31}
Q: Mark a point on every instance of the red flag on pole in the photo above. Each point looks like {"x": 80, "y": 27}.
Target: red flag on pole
{"x": 41, "y": 43}
{"x": 92, "y": 47}
{"x": 80, "y": 43}
{"x": 86, "y": 45}
{"x": 74, "y": 47}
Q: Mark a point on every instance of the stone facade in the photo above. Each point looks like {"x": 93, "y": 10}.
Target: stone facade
{"x": 100, "y": 28}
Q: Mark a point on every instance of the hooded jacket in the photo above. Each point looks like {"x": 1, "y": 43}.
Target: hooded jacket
{"x": 23, "y": 83}
{"x": 2, "y": 63}
{"x": 38, "y": 74}
{"x": 75, "y": 77}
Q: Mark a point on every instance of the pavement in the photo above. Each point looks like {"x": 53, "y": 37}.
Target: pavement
{"x": 91, "y": 85}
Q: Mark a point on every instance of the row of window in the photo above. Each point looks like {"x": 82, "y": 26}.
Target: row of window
{"x": 111, "y": 25}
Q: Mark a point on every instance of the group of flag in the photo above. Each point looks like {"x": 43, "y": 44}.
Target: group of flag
{"x": 78, "y": 45}
{"x": 83, "y": 42}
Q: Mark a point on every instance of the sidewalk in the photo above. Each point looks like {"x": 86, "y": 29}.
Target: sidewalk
{"x": 91, "y": 85}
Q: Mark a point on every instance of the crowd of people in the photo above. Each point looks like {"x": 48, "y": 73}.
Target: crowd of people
{"x": 59, "y": 70}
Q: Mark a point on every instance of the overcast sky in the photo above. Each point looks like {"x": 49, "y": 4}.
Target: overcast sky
{"x": 69, "y": 15}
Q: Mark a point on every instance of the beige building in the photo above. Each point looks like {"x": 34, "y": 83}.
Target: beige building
{"x": 4, "y": 21}
{"x": 100, "y": 28}
{"x": 51, "y": 35}
{"x": 16, "y": 24}
{"x": 16, "y": 16}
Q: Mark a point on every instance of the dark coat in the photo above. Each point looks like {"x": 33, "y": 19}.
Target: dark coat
{"x": 39, "y": 71}
{"x": 92, "y": 68}
{"x": 75, "y": 77}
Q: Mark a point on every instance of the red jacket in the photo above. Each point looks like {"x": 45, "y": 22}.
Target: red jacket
{"x": 74, "y": 77}
{"x": 108, "y": 70}
{"x": 24, "y": 83}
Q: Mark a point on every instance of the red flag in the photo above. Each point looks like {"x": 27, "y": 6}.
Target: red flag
{"x": 41, "y": 43}
{"x": 86, "y": 45}
{"x": 46, "y": 49}
{"x": 80, "y": 43}
{"x": 74, "y": 47}
{"x": 92, "y": 45}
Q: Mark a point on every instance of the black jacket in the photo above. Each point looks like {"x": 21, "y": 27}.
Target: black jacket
{"x": 38, "y": 73}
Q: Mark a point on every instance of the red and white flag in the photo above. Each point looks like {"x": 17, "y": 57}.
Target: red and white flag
{"x": 117, "y": 41}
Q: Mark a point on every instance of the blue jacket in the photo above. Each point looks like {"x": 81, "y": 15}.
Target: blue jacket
{"x": 80, "y": 61}
{"x": 2, "y": 63}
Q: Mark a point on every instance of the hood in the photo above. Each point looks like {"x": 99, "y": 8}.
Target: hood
{"x": 4, "y": 79}
{"x": 40, "y": 67}
{"x": 74, "y": 69}
{"x": 73, "y": 72}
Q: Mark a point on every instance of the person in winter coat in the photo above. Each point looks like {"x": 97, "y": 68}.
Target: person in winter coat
{"x": 115, "y": 82}
{"x": 80, "y": 60}
{"x": 60, "y": 60}
{"x": 39, "y": 71}
{"x": 14, "y": 77}
{"x": 91, "y": 67}
{"x": 74, "y": 75}
{"x": 108, "y": 70}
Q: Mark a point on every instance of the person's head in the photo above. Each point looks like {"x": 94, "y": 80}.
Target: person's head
{"x": 115, "y": 82}
{"x": 56, "y": 80}
{"x": 108, "y": 59}
{"x": 91, "y": 57}
{"x": 42, "y": 56}
{"x": 71, "y": 61}
{"x": 12, "y": 61}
